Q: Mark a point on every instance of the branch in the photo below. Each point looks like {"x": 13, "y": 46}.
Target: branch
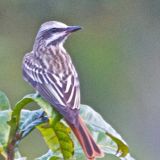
{"x": 11, "y": 146}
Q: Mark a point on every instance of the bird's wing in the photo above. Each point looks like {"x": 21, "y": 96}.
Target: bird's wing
{"x": 63, "y": 92}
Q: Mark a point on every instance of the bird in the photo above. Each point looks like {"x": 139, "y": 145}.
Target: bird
{"x": 49, "y": 69}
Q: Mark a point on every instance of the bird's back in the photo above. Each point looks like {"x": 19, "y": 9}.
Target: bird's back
{"x": 53, "y": 75}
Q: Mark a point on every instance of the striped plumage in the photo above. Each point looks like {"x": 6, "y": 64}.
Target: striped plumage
{"x": 49, "y": 69}
{"x": 60, "y": 80}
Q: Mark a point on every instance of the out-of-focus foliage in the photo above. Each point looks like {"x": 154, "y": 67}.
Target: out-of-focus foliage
{"x": 62, "y": 145}
{"x": 5, "y": 113}
{"x": 4, "y": 102}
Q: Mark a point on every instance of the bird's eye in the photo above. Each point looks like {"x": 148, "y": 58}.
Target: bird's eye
{"x": 53, "y": 30}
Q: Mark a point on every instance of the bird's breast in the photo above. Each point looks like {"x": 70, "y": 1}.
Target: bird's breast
{"x": 57, "y": 61}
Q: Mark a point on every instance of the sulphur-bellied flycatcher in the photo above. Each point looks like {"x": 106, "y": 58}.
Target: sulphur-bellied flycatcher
{"x": 49, "y": 70}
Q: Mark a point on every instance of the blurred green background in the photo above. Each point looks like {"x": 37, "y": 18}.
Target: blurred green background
{"x": 116, "y": 55}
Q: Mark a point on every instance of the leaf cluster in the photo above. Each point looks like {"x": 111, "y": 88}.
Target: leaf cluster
{"x": 17, "y": 123}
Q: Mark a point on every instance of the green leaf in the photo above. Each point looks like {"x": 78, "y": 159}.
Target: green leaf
{"x": 50, "y": 155}
{"x": 14, "y": 135}
{"x": 108, "y": 139}
{"x": 18, "y": 155}
{"x": 5, "y": 114}
{"x": 122, "y": 148}
{"x": 15, "y": 118}
{"x": 3, "y": 154}
{"x": 50, "y": 111}
{"x": 21, "y": 158}
{"x": 29, "y": 120}
{"x": 46, "y": 156}
{"x": 4, "y": 130}
{"x": 4, "y": 102}
{"x": 57, "y": 138}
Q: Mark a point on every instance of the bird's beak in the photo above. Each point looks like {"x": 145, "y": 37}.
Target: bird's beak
{"x": 72, "y": 29}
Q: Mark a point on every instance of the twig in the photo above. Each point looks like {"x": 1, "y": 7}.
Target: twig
{"x": 11, "y": 147}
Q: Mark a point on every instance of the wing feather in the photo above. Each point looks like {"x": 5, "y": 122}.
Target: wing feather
{"x": 59, "y": 91}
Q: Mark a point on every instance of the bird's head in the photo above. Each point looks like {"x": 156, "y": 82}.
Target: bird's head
{"x": 54, "y": 32}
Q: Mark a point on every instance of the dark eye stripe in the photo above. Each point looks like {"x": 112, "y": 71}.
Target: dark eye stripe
{"x": 53, "y": 30}
{"x": 48, "y": 32}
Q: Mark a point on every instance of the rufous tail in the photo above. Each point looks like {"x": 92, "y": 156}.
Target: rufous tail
{"x": 84, "y": 137}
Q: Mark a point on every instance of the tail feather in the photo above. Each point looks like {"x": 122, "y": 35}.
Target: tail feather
{"x": 84, "y": 137}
